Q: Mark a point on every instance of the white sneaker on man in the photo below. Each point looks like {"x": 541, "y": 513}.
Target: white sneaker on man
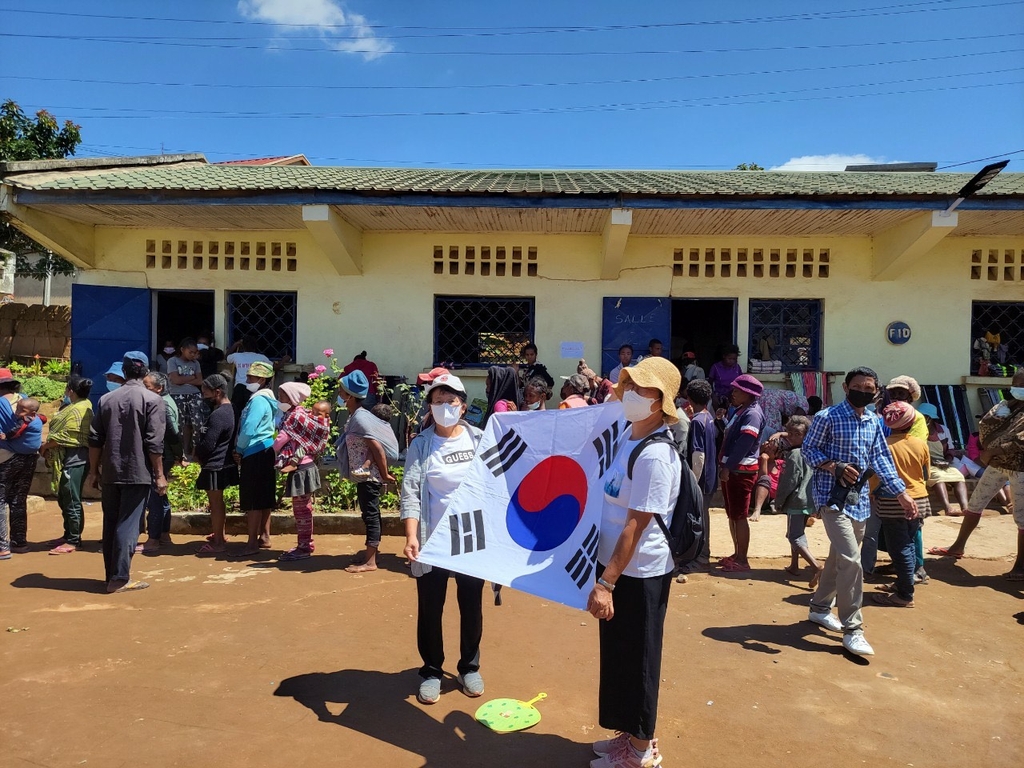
{"x": 855, "y": 643}
{"x": 826, "y": 620}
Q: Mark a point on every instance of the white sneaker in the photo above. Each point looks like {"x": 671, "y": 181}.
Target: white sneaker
{"x": 855, "y": 643}
{"x": 608, "y": 746}
{"x": 826, "y": 620}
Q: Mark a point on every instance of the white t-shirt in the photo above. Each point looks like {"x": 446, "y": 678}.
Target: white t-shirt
{"x": 654, "y": 488}
{"x": 242, "y": 361}
{"x": 447, "y": 465}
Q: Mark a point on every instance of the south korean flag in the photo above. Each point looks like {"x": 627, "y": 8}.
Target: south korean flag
{"x": 528, "y": 514}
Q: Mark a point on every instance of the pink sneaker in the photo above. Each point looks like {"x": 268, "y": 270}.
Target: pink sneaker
{"x": 624, "y": 756}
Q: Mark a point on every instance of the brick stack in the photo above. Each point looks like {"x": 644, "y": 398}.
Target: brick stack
{"x": 30, "y": 330}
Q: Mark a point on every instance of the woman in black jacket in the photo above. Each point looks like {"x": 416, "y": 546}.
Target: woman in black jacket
{"x": 213, "y": 453}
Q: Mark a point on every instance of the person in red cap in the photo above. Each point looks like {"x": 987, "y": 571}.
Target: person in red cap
{"x": 691, "y": 371}
{"x": 739, "y": 461}
{"x": 423, "y": 417}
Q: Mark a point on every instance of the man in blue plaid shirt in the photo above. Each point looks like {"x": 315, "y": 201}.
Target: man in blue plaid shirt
{"x": 844, "y": 441}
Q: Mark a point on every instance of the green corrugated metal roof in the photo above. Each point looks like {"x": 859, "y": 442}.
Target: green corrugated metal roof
{"x": 197, "y": 177}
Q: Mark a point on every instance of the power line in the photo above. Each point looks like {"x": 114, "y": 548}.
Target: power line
{"x": 825, "y": 46}
{"x": 442, "y": 32}
{"x": 649, "y": 106}
{"x": 980, "y": 159}
{"x": 629, "y": 81}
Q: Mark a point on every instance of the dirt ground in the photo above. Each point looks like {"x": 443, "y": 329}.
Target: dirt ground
{"x": 224, "y": 663}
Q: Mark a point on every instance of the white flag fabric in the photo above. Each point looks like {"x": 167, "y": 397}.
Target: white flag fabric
{"x": 528, "y": 513}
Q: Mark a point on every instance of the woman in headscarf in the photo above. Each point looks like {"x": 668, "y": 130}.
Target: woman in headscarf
{"x": 300, "y": 442}
{"x": 213, "y": 453}
{"x": 502, "y": 387}
{"x": 66, "y": 450}
{"x": 254, "y": 453}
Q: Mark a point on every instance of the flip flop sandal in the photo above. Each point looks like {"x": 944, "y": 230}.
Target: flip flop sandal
{"x": 944, "y": 552}
{"x": 210, "y": 549}
{"x": 890, "y": 600}
{"x": 132, "y": 586}
{"x": 63, "y": 549}
{"x": 734, "y": 567}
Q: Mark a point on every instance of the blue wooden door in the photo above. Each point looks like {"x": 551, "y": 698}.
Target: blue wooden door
{"x": 633, "y": 320}
{"x": 106, "y": 322}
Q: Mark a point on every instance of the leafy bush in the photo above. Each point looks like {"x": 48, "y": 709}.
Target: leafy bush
{"x": 43, "y": 389}
{"x": 182, "y": 492}
{"x": 57, "y": 368}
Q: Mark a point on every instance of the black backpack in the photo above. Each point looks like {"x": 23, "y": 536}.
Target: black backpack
{"x": 686, "y": 537}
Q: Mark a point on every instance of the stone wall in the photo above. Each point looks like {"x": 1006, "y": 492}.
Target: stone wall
{"x": 30, "y": 330}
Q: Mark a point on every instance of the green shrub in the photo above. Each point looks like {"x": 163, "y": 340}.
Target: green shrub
{"x": 57, "y": 368}
{"x": 43, "y": 389}
{"x": 181, "y": 490}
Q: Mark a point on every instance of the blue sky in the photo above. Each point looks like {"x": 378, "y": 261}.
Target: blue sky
{"x": 531, "y": 84}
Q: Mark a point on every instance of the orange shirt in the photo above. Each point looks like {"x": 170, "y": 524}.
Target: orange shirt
{"x": 910, "y": 455}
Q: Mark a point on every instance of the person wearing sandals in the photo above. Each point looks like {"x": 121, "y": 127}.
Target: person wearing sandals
{"x": 738, "y": 465}
{"x": 158, "y": 517}
{"x": 126, "y": 446}
{"x": 185, "y": 374}
{"x": 254, "y": 454}
{"x": 21, "y": 438}
{"x": 299, "y": 444}
{"x": 436, "y": 464}
{"x": 793, "y": 499}
{"x": 635, "y": 566}
{"x": 218, "y": 470}
{"x": 900, "y": 527}
{"x": 363, "y": 450}
{"x": 66, "y": 451}
{"x": 1001, "y": 436}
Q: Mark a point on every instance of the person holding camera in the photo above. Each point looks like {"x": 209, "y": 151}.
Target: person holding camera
{"x": 845, "y": 445}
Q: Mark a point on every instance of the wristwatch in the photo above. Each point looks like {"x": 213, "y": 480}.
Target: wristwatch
{"x": 605, "y": 584}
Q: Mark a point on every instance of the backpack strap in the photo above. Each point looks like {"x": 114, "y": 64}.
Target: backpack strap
{"x": 658, "y": 437}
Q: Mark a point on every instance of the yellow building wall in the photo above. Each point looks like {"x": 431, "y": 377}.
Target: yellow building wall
{"x": 388, "y": 310}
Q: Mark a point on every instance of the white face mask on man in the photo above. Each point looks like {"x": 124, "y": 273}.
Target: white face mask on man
{"x": 446, "y": 414}
{"x": 636, "y": 407}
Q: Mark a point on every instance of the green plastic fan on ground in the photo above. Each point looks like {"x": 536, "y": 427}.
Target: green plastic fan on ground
{"x": 507, "y": 715}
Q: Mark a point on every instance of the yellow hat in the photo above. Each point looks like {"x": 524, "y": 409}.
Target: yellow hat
{"x": 654, "y": 372}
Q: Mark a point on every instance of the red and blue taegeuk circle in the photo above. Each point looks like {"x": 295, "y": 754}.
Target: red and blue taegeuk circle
{"x": 548, "y": 504}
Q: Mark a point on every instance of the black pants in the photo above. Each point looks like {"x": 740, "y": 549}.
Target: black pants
{"x": 631, "y": 655}
{"x": 15, "y": 481}
{"x": 431, "y": 591}
{"x": 123, "y": 506}
{"x": 368, "y": 496}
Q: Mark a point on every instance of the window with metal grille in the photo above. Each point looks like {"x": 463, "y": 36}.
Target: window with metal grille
{"x": 267, "y": 317}
{"x": 997, "y": 337}
{"x": 479, "y": 331}
{"x": 786, "y": 330}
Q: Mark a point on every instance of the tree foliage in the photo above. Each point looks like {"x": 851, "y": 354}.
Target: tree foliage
{"x": 748, "y": 167}
{"x": 40, "y": 138}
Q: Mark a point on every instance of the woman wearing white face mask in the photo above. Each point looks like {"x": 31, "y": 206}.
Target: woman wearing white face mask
{"x": 435, "y": 465}
{"x": 254, "y": 453}
{"x": 536, "y": 394}
{"x": 635, "y": 565}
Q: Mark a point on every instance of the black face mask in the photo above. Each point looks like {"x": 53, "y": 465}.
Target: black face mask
{"x": 860, "y": 399}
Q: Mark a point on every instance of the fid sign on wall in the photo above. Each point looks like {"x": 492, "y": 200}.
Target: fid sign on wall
{"x": 897, "y": 332}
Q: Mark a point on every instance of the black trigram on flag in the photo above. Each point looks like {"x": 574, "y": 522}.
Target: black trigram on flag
{"x": 467, "y": 530}
{"x": 581, "y": 566}
{"x": 605, "y": 446}
{"x": 504, "y": 453}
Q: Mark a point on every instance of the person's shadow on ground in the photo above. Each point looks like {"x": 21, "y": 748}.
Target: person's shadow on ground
{"x": 383, "y": 705}
{"x": 60, "y": 584}
{"x": 772, "y": 638}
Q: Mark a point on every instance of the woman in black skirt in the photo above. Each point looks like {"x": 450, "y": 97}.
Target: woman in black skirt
{"x": 635, "y": 565}
{"x": 254, "y": 453}
{"x": 213, "y": 453}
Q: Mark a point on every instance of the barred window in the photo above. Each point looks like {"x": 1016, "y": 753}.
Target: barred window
{"x": 479, "y": 331}
{"x": 997, "y": 337}
{"x": 267, "y": 317}
{"x": 787, "y": 330}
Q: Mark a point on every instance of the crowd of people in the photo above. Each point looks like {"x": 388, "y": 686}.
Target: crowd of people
{"x": 863, "y": 467}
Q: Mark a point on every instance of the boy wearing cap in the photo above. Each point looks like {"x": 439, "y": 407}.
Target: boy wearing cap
{"x": 910, "y": 455}
{"x": 739, "y": 463}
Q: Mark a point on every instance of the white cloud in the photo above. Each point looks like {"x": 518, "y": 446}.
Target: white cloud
{"x": 825, "y": 162}
{"x": 343, "y": 31}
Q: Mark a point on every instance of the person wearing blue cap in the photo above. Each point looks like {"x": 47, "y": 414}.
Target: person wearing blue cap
{"x": 114, "y": 376}
{"x": 363, "y": 451}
